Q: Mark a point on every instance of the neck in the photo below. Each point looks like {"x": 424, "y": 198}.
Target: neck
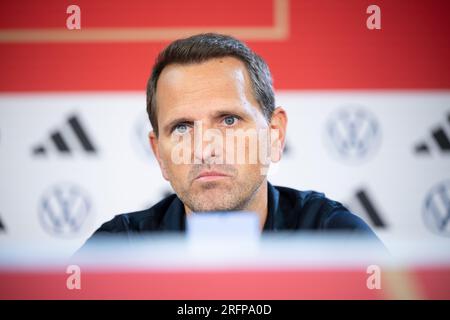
{"x": 259, "y": 204}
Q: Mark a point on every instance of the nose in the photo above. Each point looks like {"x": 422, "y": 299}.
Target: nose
{"x": 208, "y": 144}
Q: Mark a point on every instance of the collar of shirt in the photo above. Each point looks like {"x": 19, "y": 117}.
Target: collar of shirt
{"x": 175, "y": 218}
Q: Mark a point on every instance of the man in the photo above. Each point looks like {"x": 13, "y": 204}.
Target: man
{"x": 213, "y": 85}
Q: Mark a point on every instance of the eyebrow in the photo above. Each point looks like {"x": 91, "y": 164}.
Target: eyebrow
{"x": 171, "y": 124}
{"x": 216, "y": 114}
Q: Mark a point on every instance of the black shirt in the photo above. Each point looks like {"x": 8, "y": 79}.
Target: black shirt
{"x": 288, "y": 209}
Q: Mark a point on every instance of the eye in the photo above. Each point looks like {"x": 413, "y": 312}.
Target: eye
{"x": 230, "y": 120}
{"x": 181, "y": 128}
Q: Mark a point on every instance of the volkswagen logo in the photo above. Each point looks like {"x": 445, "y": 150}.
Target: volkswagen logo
{"x": 140, "y": 139}
{"x": 353, "y": 134}
{"x": 64, "y": 209}
{"x": 436, "y": 211}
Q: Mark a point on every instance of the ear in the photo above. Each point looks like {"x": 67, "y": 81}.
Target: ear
{"x": 278, "y": 126}
{"x": 154, "y": 143}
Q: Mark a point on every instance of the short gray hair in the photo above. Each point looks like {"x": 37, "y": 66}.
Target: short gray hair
{"x": 202, "y": 47}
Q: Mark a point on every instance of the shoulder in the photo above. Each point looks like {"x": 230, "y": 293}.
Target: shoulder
{"x": 313, "y": 210}
{"x": 123, "y": 225}
{"x": 145, "y": 220}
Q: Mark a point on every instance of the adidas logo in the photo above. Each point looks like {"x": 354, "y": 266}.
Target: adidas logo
{"x": 72, "y": 137}
{"x": 287, "y": 149}
{"x": 439, "y": 138}
{"x": 2, "y": 226}
{"x": 362, "y": 203}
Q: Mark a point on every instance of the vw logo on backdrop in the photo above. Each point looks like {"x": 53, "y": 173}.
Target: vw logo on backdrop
{"x": 64, "y": 210}
{"x": 353, "y": 134}
{"x": 436, "y": 209}
{"x": 140, "y": 139}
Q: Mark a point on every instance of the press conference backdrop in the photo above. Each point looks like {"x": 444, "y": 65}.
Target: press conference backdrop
{"x": 369, "y": 109}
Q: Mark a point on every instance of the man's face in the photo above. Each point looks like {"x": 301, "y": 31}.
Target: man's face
{"x": 213, "y": 96}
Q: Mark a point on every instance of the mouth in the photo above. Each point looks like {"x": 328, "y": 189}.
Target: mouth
{"x": 211, "y": 176}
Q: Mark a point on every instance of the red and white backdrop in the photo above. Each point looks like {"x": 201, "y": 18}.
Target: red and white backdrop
{"x": 369, "y": 110}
